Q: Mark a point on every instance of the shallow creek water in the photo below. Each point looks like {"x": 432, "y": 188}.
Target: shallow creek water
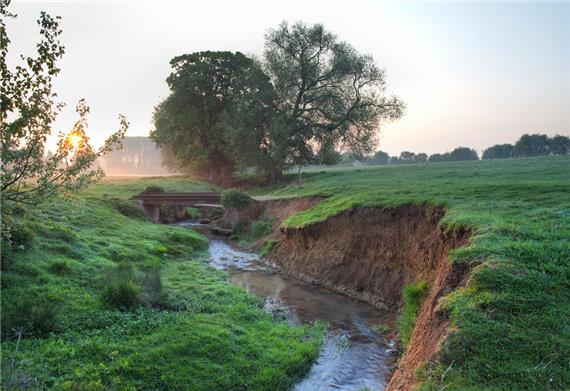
{"x": 354, "y": 356}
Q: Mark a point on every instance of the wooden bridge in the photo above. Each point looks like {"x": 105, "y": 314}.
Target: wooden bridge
{"x": 151, "y": 202}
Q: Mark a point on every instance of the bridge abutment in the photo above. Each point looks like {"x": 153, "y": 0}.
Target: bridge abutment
{"x": 153, "y": 212}
{"x": 180, "y": 212}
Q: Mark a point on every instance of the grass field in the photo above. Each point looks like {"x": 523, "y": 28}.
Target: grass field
{"x": 111, "y": 302}
{"x": 511, "y": 327}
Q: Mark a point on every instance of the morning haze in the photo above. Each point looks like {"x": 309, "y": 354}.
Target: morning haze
{"x": 471, "y": 74}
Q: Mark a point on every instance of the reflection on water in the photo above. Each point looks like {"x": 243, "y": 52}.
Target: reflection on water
{"x": 353, "y": 357}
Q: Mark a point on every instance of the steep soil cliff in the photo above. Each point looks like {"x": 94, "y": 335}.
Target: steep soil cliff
{"x": 370, "y": 254}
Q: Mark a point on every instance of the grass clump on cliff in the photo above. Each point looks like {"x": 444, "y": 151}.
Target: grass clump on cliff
{"x": 413, "y": 296}
{"x": 267, "y": 247}
{"x": 509, "y": 326}
{"x": 107, "y": 301}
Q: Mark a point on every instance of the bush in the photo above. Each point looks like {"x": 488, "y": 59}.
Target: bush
{"x": 22, "y": 236}
{"x": 130, "y": 208}
{"x": 260, "y": 228}
{"x": 59, "y": 267}
{"x": 15, "y": 237}
{"x": 125, "y": 288}
{"x": 35, "y": 316}
{"x": 6, "y": 254}
{"x": 414, "y": 295}
{"x": 235, "y": 199}
{"x": 122, "y": 294}
{"x": 153, "y": 189}
{"x": 120, "y": 289}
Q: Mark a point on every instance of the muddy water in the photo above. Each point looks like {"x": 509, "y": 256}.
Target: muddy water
{"x": 354, "y": 356}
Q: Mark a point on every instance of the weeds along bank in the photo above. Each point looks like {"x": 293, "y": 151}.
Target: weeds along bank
{"x": 501, "y": 326}
{"x": 111, "y": 301}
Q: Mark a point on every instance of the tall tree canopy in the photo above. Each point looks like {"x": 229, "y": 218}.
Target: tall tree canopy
{"x": 327, "y": 94}
{"x": 28, "y": 109}
{"x": 499, "y": 151}
{"x": 191, "y": 124}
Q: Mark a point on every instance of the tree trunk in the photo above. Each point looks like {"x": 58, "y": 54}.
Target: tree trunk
{"x": 214, "y": 175}
{"x": 276, "y": 175}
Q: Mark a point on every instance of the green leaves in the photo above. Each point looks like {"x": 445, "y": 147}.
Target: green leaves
{"x": 30, "y": 174}
{"x": 191, "y": 125}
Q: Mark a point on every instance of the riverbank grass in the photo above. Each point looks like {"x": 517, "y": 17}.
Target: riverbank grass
{"x": 509, "y": 326}
{"x": 103, "y": 300}
{"x": 413, "y": 297}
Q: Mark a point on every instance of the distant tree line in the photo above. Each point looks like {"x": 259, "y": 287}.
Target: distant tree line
{"x": 138, "y": 156}
{"x": 530, "y": 145}
{"x": 527, "y": 145}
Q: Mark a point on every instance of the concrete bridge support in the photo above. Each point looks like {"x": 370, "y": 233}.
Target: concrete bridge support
{"x": 153, "y": 212}
{"x": 180, "y": 212}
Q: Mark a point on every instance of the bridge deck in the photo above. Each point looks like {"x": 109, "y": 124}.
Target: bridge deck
{"x": 204, "y": 199}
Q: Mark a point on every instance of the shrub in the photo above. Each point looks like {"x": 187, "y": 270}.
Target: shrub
{"x": 260, "y": 228}
{"x": 130, "y": 208}
{"x": 235, "y": 199}
{"x": 59, "y": 267}
{"x": 122, "y": 294}
{"x": 22, "y": 236}
{"x": 267, "y": 247}
{"x": 153, "y": 189}
{"x": 6, "y": 254}
{"x": 120, "y": 289}
{"x": 35, "y": 316}
{"x": 15, "y": 237}
{"x": 125, "y": 288}
{"x": 414, "y": 295}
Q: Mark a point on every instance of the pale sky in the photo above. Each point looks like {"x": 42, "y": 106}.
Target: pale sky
{"x": 472, "y": 73}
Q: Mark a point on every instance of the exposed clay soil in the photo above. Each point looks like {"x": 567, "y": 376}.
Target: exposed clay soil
{"x": 370, "y": 254}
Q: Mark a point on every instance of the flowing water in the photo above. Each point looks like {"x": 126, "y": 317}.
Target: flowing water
{"x": 354, "y": 356}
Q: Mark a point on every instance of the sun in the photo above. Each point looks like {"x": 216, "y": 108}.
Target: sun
{"x": 75, "y": 140}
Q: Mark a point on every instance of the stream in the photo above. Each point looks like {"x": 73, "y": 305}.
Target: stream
{"x": 354, "y": 356}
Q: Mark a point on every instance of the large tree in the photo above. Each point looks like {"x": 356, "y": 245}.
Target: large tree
{"x": 559, "y": 145}
{"x": 191, "y": 125}
{"x": 28, "y": 109}
{"x": 327, "y": 93}
{"x": 499, "y": 151}
{"x": 532, "y": 145}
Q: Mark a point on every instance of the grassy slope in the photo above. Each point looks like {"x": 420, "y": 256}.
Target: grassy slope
{"x": 213, "y": 336}
{"x": 511, "y": 327}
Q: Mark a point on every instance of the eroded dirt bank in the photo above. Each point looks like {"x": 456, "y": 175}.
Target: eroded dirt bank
{"x": 370, "y": 254}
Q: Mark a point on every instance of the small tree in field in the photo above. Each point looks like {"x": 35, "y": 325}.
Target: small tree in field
{"x": 28, "y": 110}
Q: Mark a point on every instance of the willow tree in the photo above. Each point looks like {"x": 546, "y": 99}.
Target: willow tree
{"x": 28, "y": 109}
{"x": 327, "y": 95}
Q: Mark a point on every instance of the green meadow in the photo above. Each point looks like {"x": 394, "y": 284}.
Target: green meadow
{"x": 108, "y": 301}
{"x": 510, "y": 328}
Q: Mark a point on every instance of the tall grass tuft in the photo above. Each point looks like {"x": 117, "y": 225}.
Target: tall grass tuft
{"x": 414, "y": 296}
